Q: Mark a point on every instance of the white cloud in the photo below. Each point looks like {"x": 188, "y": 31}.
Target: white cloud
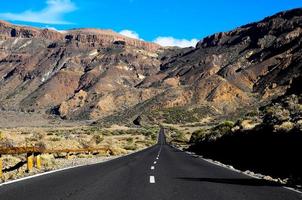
{"x": 170, "y": 41}
{"x": 54, "y": 29}
{"x": 52, "y": 14}
{"x": 129, "y": 33}
{"x": 163, "y": 41}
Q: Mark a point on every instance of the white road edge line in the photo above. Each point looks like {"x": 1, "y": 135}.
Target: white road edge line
{"x": 152, "y": 179}
{"x": 63, "y": 169}
{"x": 238, "y": 171}
{"x": 292, "y": 189}
{"x": 154, "y": 162}
{"x": 152, "y": 167}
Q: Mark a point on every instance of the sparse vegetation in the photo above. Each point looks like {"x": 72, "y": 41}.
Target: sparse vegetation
{"x": 174, "y": 135}
{"x": 131, "y": 147}
{"x": 181, "y": 115}
{"x": 197, "y": 136}
{"x": 264, "y": 141}
{"x": 1, "y": 136}
{"x": 97, "y": 139}
{"x": 119, "y": 141}
{"x": 55, "y": 139}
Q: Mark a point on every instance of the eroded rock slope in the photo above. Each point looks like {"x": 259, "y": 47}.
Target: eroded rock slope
{"x": 96, "y": 74}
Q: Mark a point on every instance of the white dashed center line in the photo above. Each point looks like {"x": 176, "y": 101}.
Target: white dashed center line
{"x": 152, "y": 179}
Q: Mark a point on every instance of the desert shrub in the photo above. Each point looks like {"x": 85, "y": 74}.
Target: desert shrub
{"x": 275, "y": 115}
{"x": 41, "y": 145}
{"x": 118, "y": 132}
{"x": 252, "y": 113}
{"x": 6, "y": 143}
{"x": 229, "y": 124}
{"x": 129, "y": 140}
{"x": 284, "y": 127}
{"x": 84, "y": 143}
{"x": 153, "y": 137}
{"x": 180, "y": 137}
{"x": 181, "y": 115}
{"x": 48, "y": 161}
{"x": 197, "y": 136}
{"x": 147, "y": 133}
{"x": 55, "y": 139}
{"x": 36, "y": 137}
{"x": 108, "y": 133}
{"x": 117, "y": 151}
{"x": 178, "y": 115}
{"x": 97, "y": 139}
{"x": 130, "y": 147}
{"x": 176, "y": 135}
{"x": 220, "y": 130}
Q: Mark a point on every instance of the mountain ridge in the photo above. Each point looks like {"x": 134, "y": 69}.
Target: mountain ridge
{"x": 96, "y": 74}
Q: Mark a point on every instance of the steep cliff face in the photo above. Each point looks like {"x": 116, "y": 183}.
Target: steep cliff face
{"x": 92, "y": 74}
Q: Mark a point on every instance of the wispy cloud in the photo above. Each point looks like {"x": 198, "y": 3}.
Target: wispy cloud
{"x": 163, "y": 41}
{"x": 171, "y": 41}
{"x": 53, "y": 13}
{"x": 129, "y": 33}
{"x": 54, "y": 29}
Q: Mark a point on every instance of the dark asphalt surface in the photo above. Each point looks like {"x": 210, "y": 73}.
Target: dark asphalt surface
{"x": 177, "y": 176}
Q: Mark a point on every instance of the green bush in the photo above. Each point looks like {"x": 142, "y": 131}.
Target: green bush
{"x": 197, "y": 136}
{"x": 153, "y": 137}
{"x": 221, "y": 129}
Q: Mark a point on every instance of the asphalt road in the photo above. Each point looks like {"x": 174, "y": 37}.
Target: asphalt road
{"x": 174, "y": 175}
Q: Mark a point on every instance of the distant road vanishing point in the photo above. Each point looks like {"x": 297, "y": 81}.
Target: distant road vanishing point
{"x": 158, "y": 172}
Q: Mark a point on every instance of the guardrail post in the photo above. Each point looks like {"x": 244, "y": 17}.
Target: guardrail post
{"x": 1, "y": 166}
{"x": 38, "y": 160}
{"x": 30, "y": 161}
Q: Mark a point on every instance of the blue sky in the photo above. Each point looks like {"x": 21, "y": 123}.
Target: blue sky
{"x": 168, "y": 22}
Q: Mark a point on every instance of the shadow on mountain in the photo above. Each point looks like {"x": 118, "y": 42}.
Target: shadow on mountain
{"x": 242, "y": 181}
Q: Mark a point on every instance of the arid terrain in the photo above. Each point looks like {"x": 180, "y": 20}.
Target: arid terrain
{"x": 88, "y": 74}
{"x": 116, "y": 141}
{"x": 93, "y": 88}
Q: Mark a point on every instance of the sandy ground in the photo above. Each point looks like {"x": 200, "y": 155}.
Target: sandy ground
{"x": 12, "y": 119}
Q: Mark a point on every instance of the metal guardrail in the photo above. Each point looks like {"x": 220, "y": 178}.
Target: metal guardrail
{"x": 33, "y": 154}
{"x": 23, "y": 150}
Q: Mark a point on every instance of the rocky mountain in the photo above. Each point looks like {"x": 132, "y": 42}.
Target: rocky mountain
{"x": 99, "y": 74}
{"x": 227, "y": 72}
{"x": 82, "y": 73}
{"x": 254, "y": 62}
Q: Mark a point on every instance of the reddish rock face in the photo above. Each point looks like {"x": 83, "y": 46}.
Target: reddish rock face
{"x": 92, "y": 74}
{"x": 42, "y": 69}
